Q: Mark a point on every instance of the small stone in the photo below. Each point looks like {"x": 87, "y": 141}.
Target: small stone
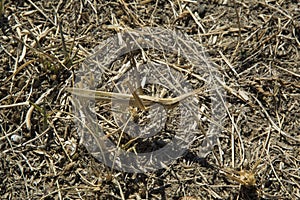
{"x": 16, "y": 138}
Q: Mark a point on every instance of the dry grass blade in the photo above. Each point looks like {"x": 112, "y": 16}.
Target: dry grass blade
{"x": 15, "y": 104}
{"x": 147, "y": 100}
{"x": 29, "y": 112}
{"x": 19, "y": 69}
{"x": 41, "y": 11}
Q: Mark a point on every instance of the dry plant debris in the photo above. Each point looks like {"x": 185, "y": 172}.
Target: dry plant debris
{"x": 254, "y": 44}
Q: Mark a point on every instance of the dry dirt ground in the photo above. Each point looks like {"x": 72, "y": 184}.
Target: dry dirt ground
{"x": 255, "y": 46}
